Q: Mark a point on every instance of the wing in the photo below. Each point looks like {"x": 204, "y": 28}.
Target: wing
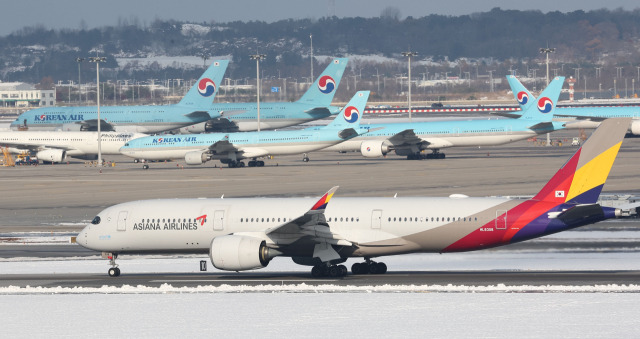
{"x": 319, "y": 111}
{"x": 92, "y": 125}
{"x": 313, "y": 230}
{"x": 581, "y": 117}
{"x": 32, "y": 146}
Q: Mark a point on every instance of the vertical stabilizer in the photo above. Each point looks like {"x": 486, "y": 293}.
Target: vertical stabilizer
{"x": 351, "y": 113}
{"x": 201, "y": 95}
{"x": 321, "y": 93}
{"x": 542, "y": 108}
{"x": 580, "y": 180}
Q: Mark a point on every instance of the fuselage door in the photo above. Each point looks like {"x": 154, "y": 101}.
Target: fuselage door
{"x": 218, "y": 220}
{"x": 122, "y": 220}
{"x": 376, "y": 219}
{"x": 501, "y": 219}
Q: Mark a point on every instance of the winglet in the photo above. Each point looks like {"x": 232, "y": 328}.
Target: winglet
{"x": 321, "y": 204}
{"x": 580, "y": 180}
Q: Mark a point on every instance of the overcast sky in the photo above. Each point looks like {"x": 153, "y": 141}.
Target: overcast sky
{"x": 17, "y": 14}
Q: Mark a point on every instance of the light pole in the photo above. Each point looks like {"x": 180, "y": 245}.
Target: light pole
{"x": 98, "y": 60}
{"x": 79, "y": 60}
{"x": 409, "y": 54}
{"x": 547, "y": 51}
{"x": 311, "y": 55}
{"x": 257, "y": 58}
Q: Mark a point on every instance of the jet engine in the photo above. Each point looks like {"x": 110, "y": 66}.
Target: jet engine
{"x": 197, "y": 128}
{"x": 635, "y": 127}
{"x": 196, "y": 158}
{"x": 373, "y": 148}
{"x": 240, "y": 253}
{"x": 52, "y": 155}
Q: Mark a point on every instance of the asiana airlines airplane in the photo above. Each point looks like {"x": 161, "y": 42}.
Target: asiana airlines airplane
{"x": 247, "y": 233}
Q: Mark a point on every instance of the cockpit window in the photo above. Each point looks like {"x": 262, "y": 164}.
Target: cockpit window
{"x": 96, "y": 220}
{"x": 127, "y": 144}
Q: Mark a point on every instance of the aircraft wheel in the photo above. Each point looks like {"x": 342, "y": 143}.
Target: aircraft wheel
{"x": 241, "y": 163}
{"x": 334, "y": 271}
{"x": 305, "y": 159}
{"x": 343, "y": 270}
{"x": 317, "y": 271}
{"x": 232, "y": 164}
{"x": 252, "y": 163}
{"x": 382, "y": 268}
{"x": 358, "y": 268}
{"x": 135, "y": 161}
{"x": 441, "y": 156}
{"x": 260, "y": 163}
{"x": 374, "y": 268}
{"x": 145, "y": 166}
{"x": 114, "y": 272}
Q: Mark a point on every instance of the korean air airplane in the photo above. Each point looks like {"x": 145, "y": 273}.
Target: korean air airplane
{"x": 247, "y": 233}
{"x": 195, "y": 106}
{"x": 55, "y": 146}
{"x": 315, "y": 104}
{"x": 584, "y": 117}
{"x": 411, "y": 139}
{"x": 231, "y": 148}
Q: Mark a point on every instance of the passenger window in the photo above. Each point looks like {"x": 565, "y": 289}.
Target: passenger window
{"x": 95, "y": 220}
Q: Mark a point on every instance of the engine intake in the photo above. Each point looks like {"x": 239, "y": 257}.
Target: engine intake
{"x": 240, "y": 253}
{"x": 374, "y": 148}
{"x": 196, "y": 158}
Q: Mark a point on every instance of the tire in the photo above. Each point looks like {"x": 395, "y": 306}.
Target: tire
{"x": 145, "y": 167}
{"x": 317, "y": 272}
{"x": 373, "y": 268}
{"x": 114, "y": 272}
{"x": 260, "y": 163}
{"x": 343, "y": 270}
{"x": 334, "y": 271}
{"x": 382, "y": 268}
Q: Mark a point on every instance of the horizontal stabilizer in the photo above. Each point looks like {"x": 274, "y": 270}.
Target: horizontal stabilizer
{"x": 347, "y": 133}
{"x": 578, "y": 213}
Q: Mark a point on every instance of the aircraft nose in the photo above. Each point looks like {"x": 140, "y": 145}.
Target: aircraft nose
{"x": 81, "y": 238}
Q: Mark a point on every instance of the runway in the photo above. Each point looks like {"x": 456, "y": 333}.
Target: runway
{"x": 467, "y": 278}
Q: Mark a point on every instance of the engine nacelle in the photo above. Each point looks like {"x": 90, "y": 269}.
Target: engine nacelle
{"x": 196, "y": 158}
{"x": 197, "y": 128}
{"x": 72, "y": 127}
{"x": 373, "y": 148}
{"x": 635, "y": 127}
{"x": 240, "y": 253}
{"x": 52, "y": 155}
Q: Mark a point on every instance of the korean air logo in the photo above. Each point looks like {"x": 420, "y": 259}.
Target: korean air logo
{"x": 206, "y": 87}
{"x": 545, "y": 105}
{"x": 159, "y": 140}
{"x": 326, "y": 84}
{"x": 351, "y": 114}
{"x": 523, "y": 98}
{"x": 43, "y": 117}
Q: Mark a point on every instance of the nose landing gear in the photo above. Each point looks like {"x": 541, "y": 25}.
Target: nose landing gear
{"x": 114, "y": 271}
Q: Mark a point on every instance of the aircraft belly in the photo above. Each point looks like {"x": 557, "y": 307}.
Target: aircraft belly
{"x": 484, "y": 140}
{"x": 285, "y": 149}
{"x": 346, "y": 146}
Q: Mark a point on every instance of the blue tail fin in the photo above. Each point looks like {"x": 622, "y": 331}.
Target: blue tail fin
{"x": 351, "y": 114}
{"x": 542, "y": 109}
{"x": 524, "y": 98}
{"x": 324, "y": 88}
{"x": 203, "y": 92}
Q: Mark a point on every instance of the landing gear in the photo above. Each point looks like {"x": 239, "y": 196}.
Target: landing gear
{"x": 325, "y": 270}
{"x": 114, "y": 271}
{"x": 305, "y": 157}
{"x": 145, "y": 167}
{"x": 256, "y": 163}
{"x": 235, "y": 164}
{"x": 369, "y": 267}
{"x": 419, "y": 156}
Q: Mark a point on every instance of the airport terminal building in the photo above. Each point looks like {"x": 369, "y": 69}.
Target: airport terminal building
{"x": 19, "y": 94}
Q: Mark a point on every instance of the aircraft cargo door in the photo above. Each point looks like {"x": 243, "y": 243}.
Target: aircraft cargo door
{"x": 376, "y": 219}
{"x": 218, "y": 220}
{"x": 122, "y": 221}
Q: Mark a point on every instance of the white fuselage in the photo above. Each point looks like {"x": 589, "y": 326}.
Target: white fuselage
{"x": 397, "y": 224}
{"x": 75, "y": 143}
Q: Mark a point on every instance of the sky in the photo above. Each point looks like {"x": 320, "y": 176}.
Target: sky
{"x": 73, "y": 13}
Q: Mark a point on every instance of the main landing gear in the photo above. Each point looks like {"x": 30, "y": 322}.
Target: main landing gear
{"x": 256, "y": 163}
{"x": 305, "y": 157}
{"x": 433, "y": 155}
{"x": 114, "y": 271}
{"x": 369, "y": 267}
{"x": 325, "y": 270}
{"x": 236, "y": 164}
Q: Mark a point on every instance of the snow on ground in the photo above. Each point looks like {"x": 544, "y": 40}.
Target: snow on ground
{"x": 310, "y": 315}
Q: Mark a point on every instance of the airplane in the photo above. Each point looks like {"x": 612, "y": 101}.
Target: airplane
{"x": 55, "y": 146}
{"x": 247, "y": 233}
{"x": 231, "y": 148}
{"x": 194, "y": 107}
{"x": 313, "y": 105}
{"x": 584, "y": 117}
{"x": 412, "y": 138}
